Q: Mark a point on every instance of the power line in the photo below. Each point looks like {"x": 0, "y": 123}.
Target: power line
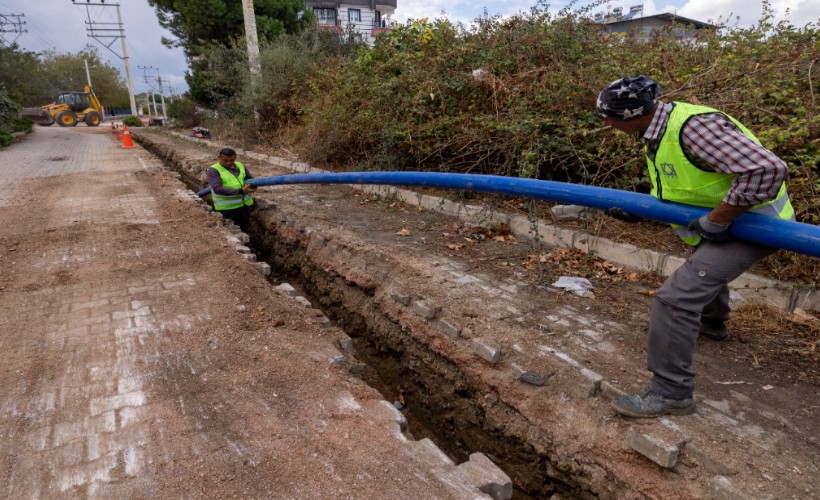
{"x": 11, "y": 23}
{"x": 114, "y": 31}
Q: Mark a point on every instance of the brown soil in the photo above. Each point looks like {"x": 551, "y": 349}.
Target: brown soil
{"x": 408, "y": 244}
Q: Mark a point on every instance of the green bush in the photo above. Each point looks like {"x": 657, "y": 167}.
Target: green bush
{"x": 184, "y": 113}
{"x": 8, "y": 110}
{"x": 516, "y": 96}
{"x": 22, "y": 124}
{"x": 5, "y": 138}
{"x": 132, "y": 121}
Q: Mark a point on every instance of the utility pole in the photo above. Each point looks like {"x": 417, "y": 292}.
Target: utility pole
{"x": 150, "y": 100}
{"x": 253, "y": 50}
{"x": 162, "y": 97}
{"x": 11, "y": 23}
{"x": 87, "y": 73}
{"x": 251, "y": 37}
{"x": 99, "y": 31}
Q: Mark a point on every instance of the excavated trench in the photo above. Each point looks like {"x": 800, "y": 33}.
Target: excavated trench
{"x": 438, "y": 399}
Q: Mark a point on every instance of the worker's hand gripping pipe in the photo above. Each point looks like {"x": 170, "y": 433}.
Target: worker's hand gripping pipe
{"x": 777, "y": 233}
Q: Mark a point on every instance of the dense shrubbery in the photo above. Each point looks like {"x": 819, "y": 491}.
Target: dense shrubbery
{"x": 184, "y": 113}
{"x": 516, "y": 97}
{"x": 22, "y": 124}
{"x": 8, "y": 114}
{"x": 132, "y": 121}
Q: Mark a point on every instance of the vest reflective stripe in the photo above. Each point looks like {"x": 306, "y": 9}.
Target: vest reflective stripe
{"x": 675, "y": 178}
{"x": 233, "y": 201}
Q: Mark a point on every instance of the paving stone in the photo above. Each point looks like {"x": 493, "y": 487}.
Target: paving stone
{"x": 401, "y": 298}
{"x": 610, "y": 390}
{"x": 488, "y": 477}
{"x": 491, "y": 354}
{"x": 449, "y": 329}
{"x": 425, "y": 309}
{"x": 720, "y": 488}
{"x": 263, "y": 268}
{"x": 653, "y": 447}
{"x": 708, "y": 461}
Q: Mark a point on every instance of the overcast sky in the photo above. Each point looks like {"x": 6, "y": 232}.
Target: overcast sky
{"x": 60, "y": 24}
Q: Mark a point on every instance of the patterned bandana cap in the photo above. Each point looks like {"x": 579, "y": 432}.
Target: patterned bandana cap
{"x": 628, "y": 98}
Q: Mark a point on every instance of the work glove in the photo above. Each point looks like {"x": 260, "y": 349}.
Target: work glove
{"x": 248, "y": 189}
{"x": 710, "y": 231}
{"x": 622, "y": 215}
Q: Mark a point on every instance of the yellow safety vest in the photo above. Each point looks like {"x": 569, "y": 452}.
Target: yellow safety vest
{"x": 234, "y": 201}
{"x": 675, "y": 177}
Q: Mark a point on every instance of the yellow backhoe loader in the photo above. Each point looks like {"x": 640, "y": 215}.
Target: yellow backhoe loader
{"x": 68, "y": 109}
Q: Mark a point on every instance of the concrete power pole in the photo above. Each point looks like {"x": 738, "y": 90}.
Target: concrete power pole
{"x": 127, "y": 65}
{"x": 100, "y": 31}
{"x": 161, "y": 97}
{"x": 253, "y": 50}
{"x": 251, "y": 37}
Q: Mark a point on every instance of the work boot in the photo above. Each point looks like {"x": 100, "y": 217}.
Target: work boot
{"x": 648, "y": 404}
{"x": 714, "y": 331}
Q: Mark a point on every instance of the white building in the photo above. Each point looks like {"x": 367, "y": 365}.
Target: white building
{"x": 364, "y": 18}
{"x": 635, "y": 22}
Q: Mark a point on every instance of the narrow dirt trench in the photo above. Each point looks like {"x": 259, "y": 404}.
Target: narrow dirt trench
{"x": 459, "y": 413}
{"x": 439, "y": 401}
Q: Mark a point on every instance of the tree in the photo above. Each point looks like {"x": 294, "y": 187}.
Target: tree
{"x": 206, "y": 28}
{"x": 66, "y": 71}
{"x": 206, "y": 22}
{"x": 23, "y": 77}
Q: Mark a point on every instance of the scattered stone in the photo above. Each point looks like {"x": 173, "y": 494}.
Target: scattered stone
{"x": 491, "y": 354}
{"x": 398, "y": 405}
{"x": 401, "y": 298}
{"x": 288, "y": 289}
{"x": 357, "y": 369}
{"x": 426, "y": 310}
{"x": 250, "y": 257}
{"x": 263, "y": 268}
{"x": 305, "y": 302}
{"x": 654, "y": 448}
{"x": 488, "y": 477}
{"x": 528, "y": 377}
{"x": 449, "y": 329}
{"x": 346, "y": 344}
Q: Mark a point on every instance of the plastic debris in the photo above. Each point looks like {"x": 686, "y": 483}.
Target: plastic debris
{"x": 576, "y": 285}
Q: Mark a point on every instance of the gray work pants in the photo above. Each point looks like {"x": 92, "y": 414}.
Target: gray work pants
{"x": 697, "y": 290}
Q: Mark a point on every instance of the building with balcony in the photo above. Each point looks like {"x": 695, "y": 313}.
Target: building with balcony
{"x": 363, "y": 18}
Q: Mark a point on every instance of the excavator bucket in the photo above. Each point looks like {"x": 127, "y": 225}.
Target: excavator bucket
{"x": 38, "y": 116}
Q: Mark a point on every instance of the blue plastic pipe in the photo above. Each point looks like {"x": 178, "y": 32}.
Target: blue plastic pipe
{"x": 777, "y": 233}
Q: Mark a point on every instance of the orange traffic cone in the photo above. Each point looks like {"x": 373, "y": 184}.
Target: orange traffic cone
{"x": 127, "y": 142}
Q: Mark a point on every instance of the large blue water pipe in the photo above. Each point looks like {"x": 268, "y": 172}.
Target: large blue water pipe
{"x": 787, "y": 235}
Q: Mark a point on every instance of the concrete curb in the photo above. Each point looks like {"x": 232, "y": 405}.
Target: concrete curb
{"x": 749, "y": 287}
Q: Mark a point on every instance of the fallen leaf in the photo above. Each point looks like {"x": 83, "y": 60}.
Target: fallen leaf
{"x": 404, "y": 232}
{"x": 454, "y": 247}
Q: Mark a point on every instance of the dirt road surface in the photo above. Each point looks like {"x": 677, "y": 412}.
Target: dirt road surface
{"x": 147, "y": 355}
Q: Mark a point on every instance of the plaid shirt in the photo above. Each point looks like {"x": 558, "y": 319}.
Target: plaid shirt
{"x": 720, "y": 144}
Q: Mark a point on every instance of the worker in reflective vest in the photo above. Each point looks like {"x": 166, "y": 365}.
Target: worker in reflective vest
{"x": 703, "y": 157}
{"x": 230, "y": 193}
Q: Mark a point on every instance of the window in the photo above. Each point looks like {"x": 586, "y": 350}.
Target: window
{"x": 354, "y": 15}
{"x": 325, "y": 17}
{"x": 377, "y": 20}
